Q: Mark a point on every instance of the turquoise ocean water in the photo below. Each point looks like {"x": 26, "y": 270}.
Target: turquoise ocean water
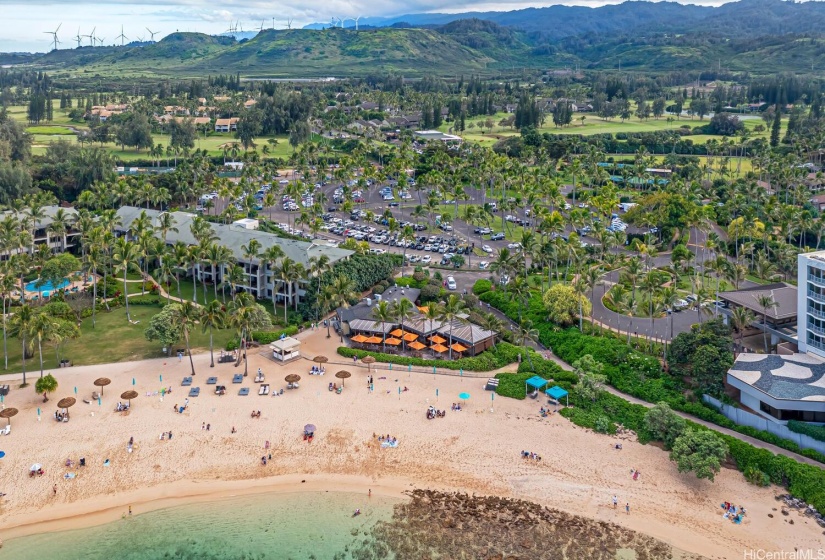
{"x": 297, "y": 526}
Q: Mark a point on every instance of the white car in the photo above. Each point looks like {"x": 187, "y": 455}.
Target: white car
{"x": 483, "y": 265}
{"x": 486, "y": 248}
{"x": 426, "y": 259}
{"x": 514, "y": 246}
{"x": 451, "y": 285}
{"x": 510, "y": 218}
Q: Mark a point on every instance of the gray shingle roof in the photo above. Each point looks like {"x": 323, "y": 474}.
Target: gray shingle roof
{"x": 234, "y": 237}
{"x": 783, "y": 294}
{"x": 794, "y": 377}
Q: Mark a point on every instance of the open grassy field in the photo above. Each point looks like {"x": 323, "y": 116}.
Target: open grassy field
{"x": 95, "y": 344}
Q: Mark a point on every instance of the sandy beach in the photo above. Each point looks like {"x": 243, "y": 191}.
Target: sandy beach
{"x": 475, "y": 450}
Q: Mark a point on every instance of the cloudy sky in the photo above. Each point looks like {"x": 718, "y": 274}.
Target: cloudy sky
{"x": 25, "y": 23}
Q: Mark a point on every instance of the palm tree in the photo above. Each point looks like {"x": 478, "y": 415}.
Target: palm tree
{"x": 125, "y": 257}
{"x": 288, "y": 273}
{"x": 7, "y": 286}
{"x": 43, "y": 327}
{"x": 317, "y": 267}
{"x": 185, "y": 315}
{"x": 270, "y": 257}
{"x": 449, "y": 313}
{"x": 164, "y": 274}
{"x": 403, "y": 310}
{"x": 212, "y": 316}
{"x": 383, "y": 313}
{"x": 166, "y": 223}
{"x": 20, "y": 325}
{"x": 341, "y": 291}
{"x": 240, "y": 316}
{"x": 491, "y": 322}
{"x": 741, "y": 317}
{"x": 766, "y": 302}
{"x": 525, "y": 335}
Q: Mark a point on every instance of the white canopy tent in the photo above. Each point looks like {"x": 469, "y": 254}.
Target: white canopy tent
{"x": 286, "y": 349}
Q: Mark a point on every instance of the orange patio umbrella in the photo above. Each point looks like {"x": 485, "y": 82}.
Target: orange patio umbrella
{"x": 373, "y": 340}
{"x": 438, "y": 348}
{"x": 458, "y": 347}
{"x": 417, "y": 345}
{"x": 435, "y": 339}
{"x": 423, "y": 309}
{"x": 359, "y": 338}
{"x": 393, "y": 341}
{"x": 397, "y": 332}
{"x": 409, "y": 337}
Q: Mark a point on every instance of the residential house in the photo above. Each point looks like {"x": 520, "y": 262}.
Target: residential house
{"x": 226, "y": 125}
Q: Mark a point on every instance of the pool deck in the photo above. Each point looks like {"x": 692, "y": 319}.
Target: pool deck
{"x": 73, "y": 286}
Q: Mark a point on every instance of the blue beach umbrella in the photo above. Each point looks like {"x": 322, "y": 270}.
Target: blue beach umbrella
{"x": 99, "y": 402}
{"x": 38, "y": 411}
{"x": 409, "y": 367}
{"x": 75, "y": 390}
{"x": 464, "y": 396}
{"x": 2, "y": 454}
{"x": 390, "y": 366}
{"x": 133, "y": 381}
{"x": 161, "y": 378}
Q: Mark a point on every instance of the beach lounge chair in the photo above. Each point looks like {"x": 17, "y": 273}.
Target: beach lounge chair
{"x": 264, "y": 389}
{"x": 259, "y": 378}
{"x": 194, "y": 391}
{"x": 237, "y": 378}
{"x": 187, "y": 381}
{"x": 212, "y": 381}
{"x": 6, "y": 431}
{"x": 220, "y": 389}
{"x": 244, "y": 391}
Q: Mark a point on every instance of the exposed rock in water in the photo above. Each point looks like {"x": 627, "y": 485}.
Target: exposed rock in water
{"x": 458, "y": 526}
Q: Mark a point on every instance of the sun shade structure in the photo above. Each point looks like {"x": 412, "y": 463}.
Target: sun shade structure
{"x": 535, "y": 383}
{"x": 7, "y": 413}
{"x": 359, "y": 338}
{"x": 128, "y": 396}
{"x": 417, "y": 345}
{"x": 342, "y": 375}
{"x": 320, "y": 359}
{"x": 368, "y": 360}
{"x": 423, "y": 309}
{"x": 458, "y": 347}
{"x": 373, "y": 340}
{"x": 556, "y": 392}
{"x": 435, "y": 339}
{"x": 438, "y": 348}
{"x": 409, "y": 337}
{"x": 102, "y": 382}
{"x": 397, "y": 332}
{"x": 292, "y": 378}
{"x": 285, "y": 349}
{"x": 66, "y": 403}
{"x": 393, "y": 341}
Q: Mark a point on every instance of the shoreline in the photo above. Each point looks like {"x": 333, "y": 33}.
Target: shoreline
{"x": 93, "y": 512}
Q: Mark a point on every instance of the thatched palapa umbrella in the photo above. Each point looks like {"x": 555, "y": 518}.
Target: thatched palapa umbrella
{"x": 292, "y": 378}
{"x": 342, "y": 375}
{"x": 102, "y": 382}
{"x": 320, "y": 359}
{"x": 7, "y": 413}
{"x": 368, "y": 360}
{"x": 128, "y": 396}
{"x": 66, "y": 403}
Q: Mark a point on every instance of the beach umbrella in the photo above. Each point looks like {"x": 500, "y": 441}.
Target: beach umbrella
{"x": 133, "y": 381}
{"x": 66, "y": 403}
{"x": 128, "y": 396}
{"x": 464, "y": 396}
{"x": 342, "y": 375}
{"x": 292, "y": 378}
{"x": 310, "y": 428}
{"x": 75, "y": 390}
{"x": 7, "y": 413}
{"x": 2, "y": 454}
{"x": 368, "y": 360}
{"x": 102, "y": 382}
{"x": 161, "y": 378}
{"x": 320, "y": 359}
{"x": 35, "y": 467}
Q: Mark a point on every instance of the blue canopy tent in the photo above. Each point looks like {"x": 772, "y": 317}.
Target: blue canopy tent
{"x": 555, "y": 392}
{"x": 536, "y": 382}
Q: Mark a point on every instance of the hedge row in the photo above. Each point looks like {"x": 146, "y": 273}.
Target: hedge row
{"x": 816, "y": 432}
{"x": 265, "y": 337}
{"x": 504, "y": 353}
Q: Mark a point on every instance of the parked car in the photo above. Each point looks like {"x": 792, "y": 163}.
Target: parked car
{"x": 486, "y": 248}
{"x": 483, "y": 265}
{"x": 426, "y": 259}
{"x": 451, "y": 285}
{"x": 497, "y": 236}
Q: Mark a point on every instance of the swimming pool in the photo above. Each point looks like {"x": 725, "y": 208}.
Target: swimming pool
{"x": 46, "y": 287}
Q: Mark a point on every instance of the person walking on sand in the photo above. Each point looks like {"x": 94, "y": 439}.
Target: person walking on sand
{"x": 130, "y": 510}
{"x": 54, "y": 489}
{"x": 369, "y": 494}
{"x": 615, "y": 501}
{"x": 627, "y": 508}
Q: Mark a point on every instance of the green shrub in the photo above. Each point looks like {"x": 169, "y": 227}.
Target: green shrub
{"x": 757, "y": 477}
{"x": 603, "y": 425}
{"x": 482, "y": 286}
{"x": 810, "y": 430}
{"x": 265, "y": 337}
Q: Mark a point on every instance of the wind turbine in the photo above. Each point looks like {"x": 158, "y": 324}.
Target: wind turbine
{"x": 289, "y": 23}
{"x": 91, "y": 37}
{"x": 140, "y": 38}
{"x": 332, "y": 22}
{"x": 78, "y": 37}
{"x": 356, "y": 22}
{"x": 100, "y": 40}
{"x": 122, "y": 37}
{"x": 55, "y": 40}
{"x": 152, "y": 33}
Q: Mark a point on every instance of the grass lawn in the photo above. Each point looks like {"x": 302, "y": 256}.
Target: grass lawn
{"x": 50, "y": 130}
{"x": 95, "y": 344}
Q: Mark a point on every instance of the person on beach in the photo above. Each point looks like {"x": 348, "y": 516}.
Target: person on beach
{"x": 175, "y": 409}
{"x": 369, "y": 494}
{"x": 208, "y": 426}
{"x": 130, "y": 510}
{"x": 233, "y": 429}
{"x": 615, "y": 501}
{"x": 203, "y": 425}
{"x": 627, "y": 508}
